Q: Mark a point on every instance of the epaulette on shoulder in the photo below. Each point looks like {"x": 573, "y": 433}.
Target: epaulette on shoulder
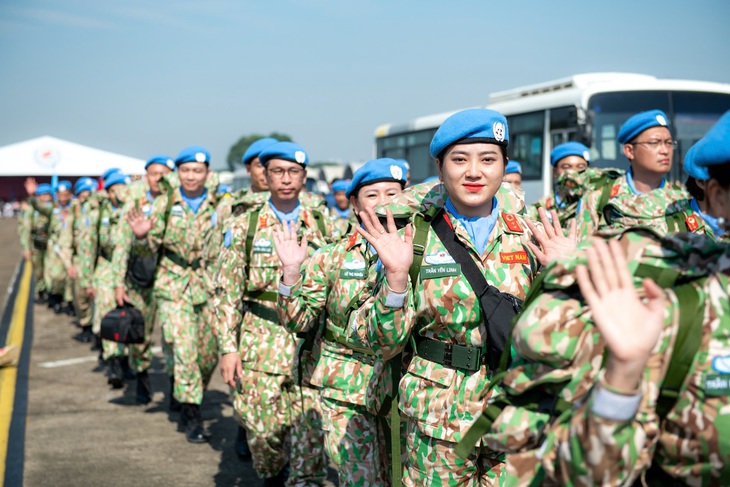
{"x": 512, "y": 222}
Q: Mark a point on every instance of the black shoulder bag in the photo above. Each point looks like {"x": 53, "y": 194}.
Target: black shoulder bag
{"x": 498, "y": 308}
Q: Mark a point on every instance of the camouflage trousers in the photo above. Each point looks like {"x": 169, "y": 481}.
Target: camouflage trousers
{"x": 104, "y": 302}
{"x": 194, "y": 347}
{"x": 433, "y": 462}
{"x": 54, "y": 272}
{"x": 37, "y": 257}
{"x": 283, "y": 423}
{"x": 82, "y": 305}
{"x": 140, "y": 355}
{"x": 356, "y": 444}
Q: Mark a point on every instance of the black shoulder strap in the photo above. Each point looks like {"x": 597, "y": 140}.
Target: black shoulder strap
{"x": 319, "y": 220}
{"x": 490, "y": 298}
{"x": 253, "y": 223}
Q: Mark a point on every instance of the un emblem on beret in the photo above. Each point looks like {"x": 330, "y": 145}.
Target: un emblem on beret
{"x": 498, "y": 130}
{"x": 396, "y": 172}
{"x": 171, "y": 164}
{"x": 300, "y": 156}
{"x": 661, "y": 120}
{"x": 199, "y": 157}
{"x": 587, "y": 156}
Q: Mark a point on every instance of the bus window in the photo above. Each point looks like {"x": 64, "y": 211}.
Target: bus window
{"x": 526, "y": 134}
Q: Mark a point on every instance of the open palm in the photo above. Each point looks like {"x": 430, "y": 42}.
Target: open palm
{"x": 291, "y": 253}
{"x": 394, "y": 251}
{"x": 140, "y": 224}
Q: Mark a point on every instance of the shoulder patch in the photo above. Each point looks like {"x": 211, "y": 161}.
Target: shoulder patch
{"x": 692, "y": 223}
{"x": 352, "y": 240}
{"x": 227, "y": 238}
{"x": 614, "y": 191}
{"x": 512, "y": 224}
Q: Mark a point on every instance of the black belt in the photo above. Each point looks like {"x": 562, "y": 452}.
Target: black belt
{"x": 262, "y": 311}
{"x": 195, "y": 264}
{"x": 451, "y": 355}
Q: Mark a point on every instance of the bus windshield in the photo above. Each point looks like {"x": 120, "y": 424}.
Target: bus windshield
{"x": 691, "y": 114}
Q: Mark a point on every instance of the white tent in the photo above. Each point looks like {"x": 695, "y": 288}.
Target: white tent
{"x": 46, "y": 156}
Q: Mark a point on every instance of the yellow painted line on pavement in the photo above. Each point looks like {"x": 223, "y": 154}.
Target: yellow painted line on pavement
{"x": 9, "y": 375}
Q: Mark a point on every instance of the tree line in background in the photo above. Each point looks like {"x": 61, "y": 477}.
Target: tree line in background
{"x": 235, "y": 154}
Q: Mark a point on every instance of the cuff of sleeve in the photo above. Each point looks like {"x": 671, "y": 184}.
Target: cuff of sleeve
{"x": 613, "y": 406}
{"x": 394, "y": 299}
{"x": 284, "y": 290}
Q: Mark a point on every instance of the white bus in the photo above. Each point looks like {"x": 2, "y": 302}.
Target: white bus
{"x": 588, "y": 108}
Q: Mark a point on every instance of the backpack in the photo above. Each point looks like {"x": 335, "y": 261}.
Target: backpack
{"x": 666, "y": 211}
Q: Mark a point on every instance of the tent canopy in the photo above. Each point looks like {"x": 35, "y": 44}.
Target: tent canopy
{"x": 46, "y": 156}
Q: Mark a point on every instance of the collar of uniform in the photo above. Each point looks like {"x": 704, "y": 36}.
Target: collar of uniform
{"x": 269, "y": 218}
{"x": 178, "y": 198}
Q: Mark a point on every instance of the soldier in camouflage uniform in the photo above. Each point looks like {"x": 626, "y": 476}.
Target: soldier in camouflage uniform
{"x": 341, "y": 213}
{"x": 647, "y": 144}
{"x": 130, "y": 286}
{"x": 688, "y": 213}
{"x": 654, "y": 413}
{"x": 456, "y": 352}
{"x": 353, "y": 382}
{"x": 69, "y": 243}
{"x": 256, "y": 350}
{"x": 180, "y": 227}
{"x": 570, "y": 157}
{"x": 95, "y": 268}
{"x": 35, "y": 238}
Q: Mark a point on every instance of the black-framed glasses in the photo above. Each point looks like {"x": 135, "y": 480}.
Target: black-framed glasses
{"x": 293, "y": 172}
{"x": 653, "y": 144}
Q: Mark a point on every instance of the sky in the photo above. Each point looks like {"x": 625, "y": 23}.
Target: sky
{"x": 147, "y": 77}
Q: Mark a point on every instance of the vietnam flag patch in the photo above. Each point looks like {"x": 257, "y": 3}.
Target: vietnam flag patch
{"x": 692, "y": 224}
{"x": 513, "y": 257}
{"x": 512, "y": 224}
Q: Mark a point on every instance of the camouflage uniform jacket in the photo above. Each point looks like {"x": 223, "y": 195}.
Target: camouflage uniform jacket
{"x": 652, "y": 210}
{"x": 444, "y": 401}
{"x": 24, "y": 221}
{"x": 589, "y": 219}
{"x": 343, "y": 226}
{"x": 96, "y": 241}
{"x": 181, "y": 237}
{"x": 337, "y": 276}
{"x": 561, "y": 354}
{"x": 58, "y": 218}
{"x": 246, "y": 316}
{"x": 69, "y": 239}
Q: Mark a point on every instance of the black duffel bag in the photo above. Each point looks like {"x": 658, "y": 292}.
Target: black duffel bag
{"x": 125, "y": 324}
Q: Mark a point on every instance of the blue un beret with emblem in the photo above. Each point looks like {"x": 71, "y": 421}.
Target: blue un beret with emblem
{"x": 64, "y": 185}
{"x": 109, "y": 172}
{"x": 340, "y": 185}
{"x": 255, "y": 149}
{"x": 288, "y": 151}
{"x": 714, "y": 148}
{"x": 376, "y": 171}
{"x": 162, "y": 160}
{"x": 513, "y": 167}
{"x": 194, "y": 153}
{"x": 569, "y": 149}
{"x": 84, "y": 184}
{"x": 691, "y": 167}
{"x": 43, "y": 188}
{"x": 116, "y": 178}
{"x": 640, "y": 122}
{"x": 470, "y": 126}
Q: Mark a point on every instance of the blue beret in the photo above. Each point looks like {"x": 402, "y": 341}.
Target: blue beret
{"x": 376, "y": 171}
{"x": 513, "y": 167}
{"x": 474, "y": 125}
{"x": 640, "y": 122}
{"x": 691, "y": 167}
{"x": 431, "y": 179}
{"x": 405, "y": 163}
{"x": 714, "y": 148}
{"x": 194, "y": 153}
{"x": 340, "y": 185}
{"x": 255, "y": 149}
{"x": 84, "y": 184}
{"x": 569, "y": 149}
{"x": 288, "y": 151}
{"x": 43, "y": 188}
{"x": 109, "y": 172}
{"x": 116, "y": 178}
{"x": 162, "y": 160}
{"x": 64, "y": 185}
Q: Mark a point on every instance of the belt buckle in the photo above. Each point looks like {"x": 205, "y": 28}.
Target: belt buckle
{"x": 448, "y": 354}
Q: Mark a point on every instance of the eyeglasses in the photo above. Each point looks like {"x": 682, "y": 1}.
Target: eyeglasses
{"x": 653, "y": 144}
{"x": 293, "y": 172}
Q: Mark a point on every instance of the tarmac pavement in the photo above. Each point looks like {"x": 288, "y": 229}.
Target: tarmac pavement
{"x": 80, "y": 432}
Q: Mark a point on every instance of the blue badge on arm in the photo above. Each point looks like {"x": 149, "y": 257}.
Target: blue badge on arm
{"x": 227, "y": 238}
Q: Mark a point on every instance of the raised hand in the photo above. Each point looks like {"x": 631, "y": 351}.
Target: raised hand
{"x": 140, "y": 224}
{"x": 552, "y": 242}
{"x": 291, "y": 254}
{"x": 395, "y": 253}
{"x": 630, "y": 327}
{"x": 31, "y": 186}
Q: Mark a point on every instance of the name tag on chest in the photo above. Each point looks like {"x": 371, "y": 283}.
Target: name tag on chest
{"x": 716, "y": 385}
{"x": 442, "y": 270}
{"x": 262, "y": 246}
{"x": 352, "y": 274}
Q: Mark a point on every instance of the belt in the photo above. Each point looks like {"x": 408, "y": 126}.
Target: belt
{"x": 357, "y": 352}
{"x": 451, "y": 355}
{"x": 270, "y": 296}
{"x": 195, "y": 264}
{"x": 263, "y": 312}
